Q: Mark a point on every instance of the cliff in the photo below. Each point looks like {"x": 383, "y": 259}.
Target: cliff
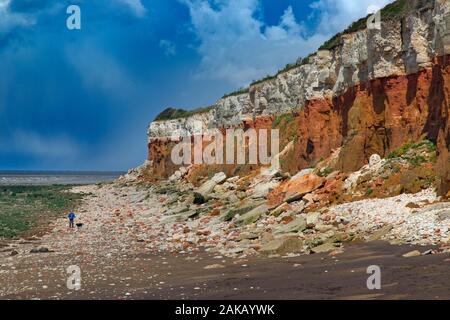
{"x": 365, "y": 92}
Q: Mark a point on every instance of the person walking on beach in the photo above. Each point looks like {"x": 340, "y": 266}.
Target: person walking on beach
{"x": 71, "y": 217}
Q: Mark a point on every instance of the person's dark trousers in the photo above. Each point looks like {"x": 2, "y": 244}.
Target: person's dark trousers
{"x": 71, "y": 224}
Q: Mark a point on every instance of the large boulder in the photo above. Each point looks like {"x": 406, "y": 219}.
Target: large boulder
{"x": 199, "y": 198}
{"x": 312, "y": 218}
{"x": 282, "y": 246}
{"x": 374, "y": 160}
{"x": 241, "y": 209}
{"x": 253, "y": 215}
{"x": 262, "y": 189}
{"x": 219, "y": 177}
{"x": 297, "y": 225}
{"x": 326, "y": 247}
{"x": 302, "y": 173}
{"x": 380, "y": 233}
{"x": 208, "y": 187}
{"x": 295, "y": 190}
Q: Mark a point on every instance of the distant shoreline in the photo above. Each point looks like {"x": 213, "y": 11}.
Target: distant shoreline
{"x": 43, "y": 178}
{"x": 62, "y": 172}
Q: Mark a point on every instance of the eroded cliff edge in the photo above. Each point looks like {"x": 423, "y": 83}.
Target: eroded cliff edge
{"x": 370, "y": 92}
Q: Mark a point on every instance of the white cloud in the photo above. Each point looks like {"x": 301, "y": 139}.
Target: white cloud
{"x": 10, "y": 20}
{"x": 136, "y": 6}
{"x": 336, "y": 15}
{"x": 238, "y": 47}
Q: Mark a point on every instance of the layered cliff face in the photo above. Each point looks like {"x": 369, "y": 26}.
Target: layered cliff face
{"x": 371, "y": 92}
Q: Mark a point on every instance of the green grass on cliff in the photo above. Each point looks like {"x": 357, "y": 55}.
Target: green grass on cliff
{"x": 23, "y": 208}
{"x": 416, "y": 153}
{"x": 282, "y": 120}
{"x": 236, "y": 93}
{"x": 394, "y": 11}
{"x": 288, "y": 67}
{"x": 171, "y": 113}
{"x": 405, "y": 148}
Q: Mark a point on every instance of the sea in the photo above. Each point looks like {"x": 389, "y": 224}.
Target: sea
{"x": 42, "y": 178}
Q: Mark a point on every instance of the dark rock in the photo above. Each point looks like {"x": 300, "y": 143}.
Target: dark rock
{"x": 39, "y": 250}
{"x": 199, "y": 198}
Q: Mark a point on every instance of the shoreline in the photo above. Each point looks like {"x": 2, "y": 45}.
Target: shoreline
{"x": 56, "y": 178}
{"x": 184, "y": 277}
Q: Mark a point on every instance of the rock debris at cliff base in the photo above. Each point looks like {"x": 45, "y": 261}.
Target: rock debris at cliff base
{"x": 272, "y": 213}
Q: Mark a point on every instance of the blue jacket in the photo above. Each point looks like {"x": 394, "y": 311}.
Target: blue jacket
{"x": 71, "y": 216}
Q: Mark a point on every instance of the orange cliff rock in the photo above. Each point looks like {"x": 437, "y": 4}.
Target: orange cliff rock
{"x": 376, "y": 117}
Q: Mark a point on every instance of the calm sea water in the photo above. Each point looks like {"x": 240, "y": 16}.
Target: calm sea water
{"x": 48, "y": 178}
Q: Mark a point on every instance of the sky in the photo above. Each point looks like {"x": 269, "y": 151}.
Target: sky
{"x": 82, "y": 99}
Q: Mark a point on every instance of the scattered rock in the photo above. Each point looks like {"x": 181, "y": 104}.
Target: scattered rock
{"x": 243, "y": 208}
{"x": 207, "y": 187}
{"x": 219, "y": 177}
{"x": 39, "y": 250}
{"x": 302, "y": 186}
{"x": 302, "y": 173}
{"x": 321, "y": 227}
{"x": 214, "y": 266}
{"x": 294, "y": 190}
{"x": 332, "y": 176}
{"x": 380, "y": 233}
{"x": 280, "y": 209}
{"x": 326, "y": 247}
{"x": 297, "y": 225}
{"x": 412, "y": 205}
{"x": 253, "y": 215}
{"x": 262, "y": 189}
{"x": 443, "y": 215}
{"x": 309, "y": 198}
{"x": 374, "y": 160}
{"x": 312, "y": 219}
{"x": 229, "y": 186}
{"x": 411, "y": 254}
{"x": 233, "y": 179}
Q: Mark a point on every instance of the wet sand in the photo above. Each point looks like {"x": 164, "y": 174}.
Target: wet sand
{"x": 171, "y": 277}
{"x": 118, "y": 259}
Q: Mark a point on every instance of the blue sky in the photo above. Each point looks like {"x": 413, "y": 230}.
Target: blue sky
{"x": 82, "y": 99}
